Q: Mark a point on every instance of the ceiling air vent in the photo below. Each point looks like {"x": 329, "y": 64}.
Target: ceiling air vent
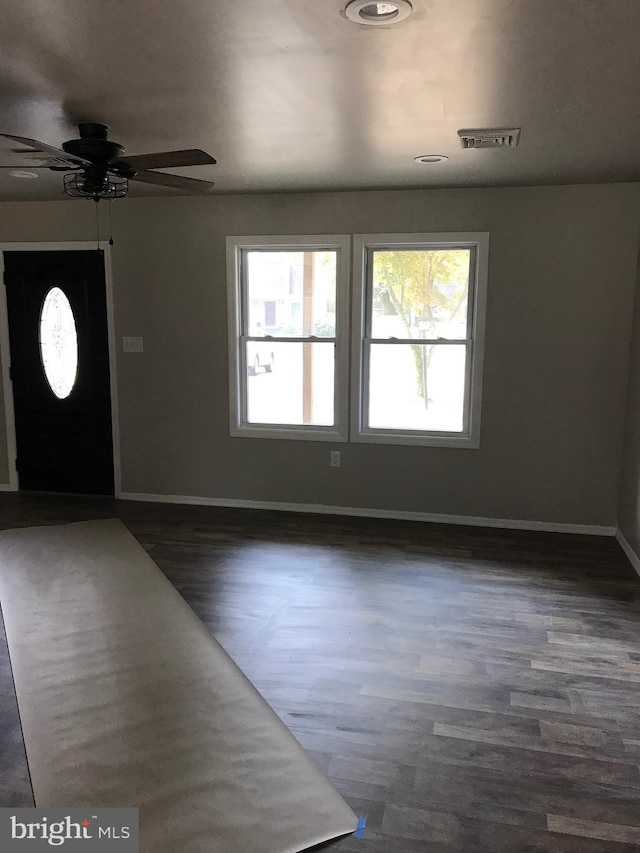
{"x": 492, "y": 138}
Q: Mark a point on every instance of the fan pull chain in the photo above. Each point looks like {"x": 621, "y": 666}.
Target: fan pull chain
{"x": 97, "y": 229}
{"x": 110, "y": 226}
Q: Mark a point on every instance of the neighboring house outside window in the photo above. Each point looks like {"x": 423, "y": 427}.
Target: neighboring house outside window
{"x": 416, "y": 336}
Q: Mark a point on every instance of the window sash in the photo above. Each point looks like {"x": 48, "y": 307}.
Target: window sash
{"x": 243, "y": 273}
{"x": 417, "y": 247}
{"x": 365, "y": 247}
{"x": 238, "y": 249}
{"x": 272, "y": 425}
{"x": 366, "y": 385}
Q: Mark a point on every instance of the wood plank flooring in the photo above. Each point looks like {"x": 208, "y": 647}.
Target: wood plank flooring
{"x": 464, "y": 689}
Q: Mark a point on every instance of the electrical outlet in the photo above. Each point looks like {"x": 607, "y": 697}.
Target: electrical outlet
{"x": 334, "y": 458}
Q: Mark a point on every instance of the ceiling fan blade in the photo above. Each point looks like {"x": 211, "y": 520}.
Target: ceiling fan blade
{"x": 69, "y": 167}
{"x": 175, "y": 181}
{"x": 168, "y": 159}
{"x": 56, "y": 153}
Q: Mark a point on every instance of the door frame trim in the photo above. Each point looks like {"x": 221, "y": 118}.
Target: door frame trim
{"x": 5, "y": 358}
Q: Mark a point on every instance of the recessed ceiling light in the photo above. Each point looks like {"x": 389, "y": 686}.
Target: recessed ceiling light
{"x": 377, "y": 14}
{"x": 431, "y": 158}
{"x": 22, "y": 173}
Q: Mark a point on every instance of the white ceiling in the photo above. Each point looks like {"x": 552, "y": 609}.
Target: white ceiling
{"x": 288, "y": 95}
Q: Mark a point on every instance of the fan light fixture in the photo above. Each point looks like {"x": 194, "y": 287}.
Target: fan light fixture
{"x": 104, "y": 185}
{"x": 378, "y": 14}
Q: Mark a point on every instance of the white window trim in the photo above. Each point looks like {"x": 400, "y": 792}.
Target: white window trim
{"x": 359, "y": 432}
{"x": 237, "y": 377}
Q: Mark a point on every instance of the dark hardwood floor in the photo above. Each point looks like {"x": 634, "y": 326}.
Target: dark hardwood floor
{"x": 464, "y": 689}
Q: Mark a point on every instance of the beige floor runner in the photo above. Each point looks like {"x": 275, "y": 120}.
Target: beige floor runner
{"x": 127, "y": 700}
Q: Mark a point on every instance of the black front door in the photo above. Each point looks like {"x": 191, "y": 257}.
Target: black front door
{"x": 56, "y": 303}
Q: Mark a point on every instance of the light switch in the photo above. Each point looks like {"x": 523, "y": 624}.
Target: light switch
{"x": 132, "y": 344}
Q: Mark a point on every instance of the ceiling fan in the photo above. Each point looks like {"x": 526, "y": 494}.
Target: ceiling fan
{"x": 98, "y": 168}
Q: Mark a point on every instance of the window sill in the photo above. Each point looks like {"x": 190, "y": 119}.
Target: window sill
{"x": 290, "y": 433}
{"x": 463, "y": 442}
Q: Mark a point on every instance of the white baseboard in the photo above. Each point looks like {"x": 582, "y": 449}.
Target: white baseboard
{"x": 628, "y": 550}
{"x": 8, "y": 487}
{"x": 433, "y": 517}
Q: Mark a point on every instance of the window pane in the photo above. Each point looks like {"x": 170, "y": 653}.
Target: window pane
{"x": 291, "y": 294}
{"x": 417, "y": 386}
{"x": 290, "y": 383}
{"x": 420, "y": 293}
{"x": 58, "y": 343}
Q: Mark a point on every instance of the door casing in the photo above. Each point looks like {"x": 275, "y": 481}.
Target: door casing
{"x": 9, "y": 415}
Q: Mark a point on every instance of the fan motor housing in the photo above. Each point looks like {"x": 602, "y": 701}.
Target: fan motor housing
{"x": 93, "y": 144}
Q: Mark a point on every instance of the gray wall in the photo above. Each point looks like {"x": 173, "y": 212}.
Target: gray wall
{"x": 561, "y": 285}
{"x": 629, "y": 509}
{"x": 4, "y": 459}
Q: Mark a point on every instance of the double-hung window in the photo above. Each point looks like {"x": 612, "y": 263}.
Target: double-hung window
{"x": 415, "y": 337}
{"x": 418, "y": 333}
{"x": 288, "y": 336}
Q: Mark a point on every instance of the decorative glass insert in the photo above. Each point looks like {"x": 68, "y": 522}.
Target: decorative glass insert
{"x": 58, "y": 343}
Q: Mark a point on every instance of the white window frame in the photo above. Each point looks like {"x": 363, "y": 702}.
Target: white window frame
{"x": 239, "y": 425}
{"x": 360, "y": 431}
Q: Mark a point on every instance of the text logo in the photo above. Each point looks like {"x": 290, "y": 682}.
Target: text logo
{"x": 74, "y": 829}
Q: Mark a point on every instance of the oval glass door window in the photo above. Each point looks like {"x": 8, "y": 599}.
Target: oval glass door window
{"x": 58, "y": 343}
